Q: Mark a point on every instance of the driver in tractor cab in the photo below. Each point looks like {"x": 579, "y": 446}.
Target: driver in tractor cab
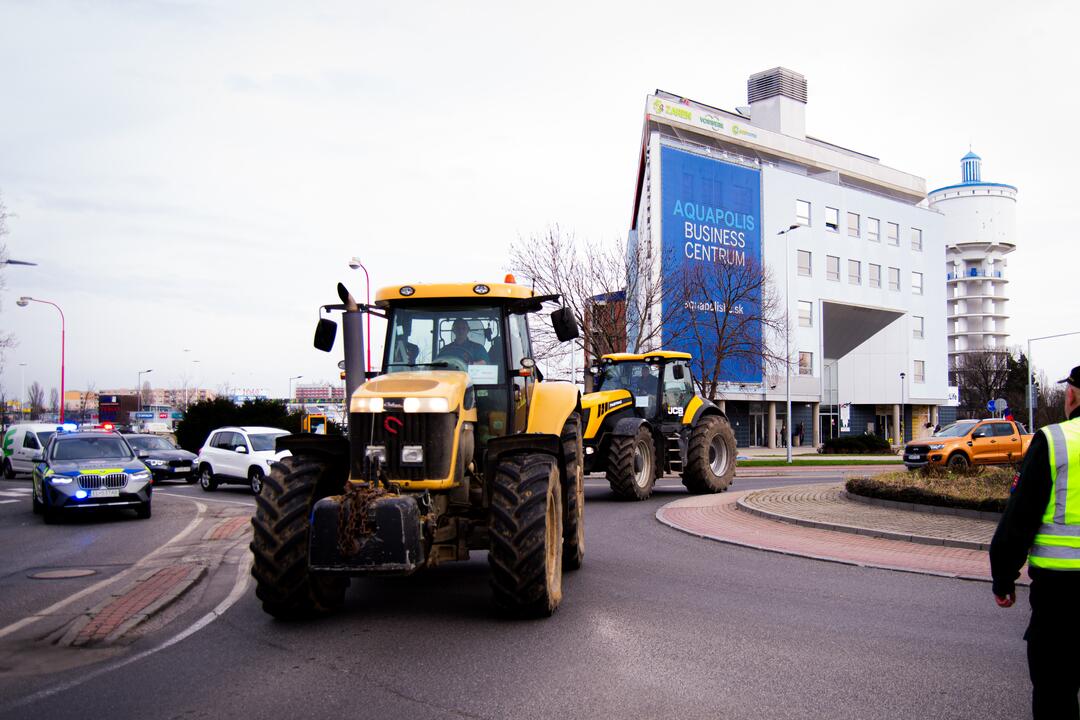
{"x": 464, "y": 349}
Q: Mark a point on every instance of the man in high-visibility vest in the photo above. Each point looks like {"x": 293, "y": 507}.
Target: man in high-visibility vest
{"x": 1041, "y": 525}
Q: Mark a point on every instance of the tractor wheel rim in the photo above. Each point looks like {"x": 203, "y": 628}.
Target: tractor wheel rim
{"x": 718, "y": 456}
{"x": 553, "y": 544}
{"x": 642, "y": 461}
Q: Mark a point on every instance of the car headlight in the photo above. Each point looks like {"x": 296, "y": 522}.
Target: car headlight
{"x": 937, "y": 447}
{"x": 140, "y": 475}
{"x": 59, "y": 479}
{"x": 426, "y": 405}
{"x": 156, "y": 463}
{"x": 369, "y": 404}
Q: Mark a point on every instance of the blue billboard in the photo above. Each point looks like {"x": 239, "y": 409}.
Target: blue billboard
{"x": 711, "y": 240}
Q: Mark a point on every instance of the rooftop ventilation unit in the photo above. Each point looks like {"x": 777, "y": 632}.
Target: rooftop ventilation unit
{"x": 776, "y": 83}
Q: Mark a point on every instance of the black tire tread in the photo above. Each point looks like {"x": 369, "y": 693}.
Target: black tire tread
{"x": 698, "y": 476}
{"x": 285, "y": 585}
{"x": 517, "y": 535}
{"x": 620, "y": 465}
{"x": 573, "y": 548}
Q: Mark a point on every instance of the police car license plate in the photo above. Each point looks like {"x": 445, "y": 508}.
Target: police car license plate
{"x": 104, "y": 493}
{"x": 182, "y": 469}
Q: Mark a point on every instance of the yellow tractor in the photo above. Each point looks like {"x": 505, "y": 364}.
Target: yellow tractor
{"x": 645, "y": 419}
{"x": 457, "y": 445}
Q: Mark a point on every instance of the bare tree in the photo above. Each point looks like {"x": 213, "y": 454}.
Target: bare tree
{"x": 87, "y": 396}
{"x": 35, "y": 396}
{"x": 982, "y": 376}
{"x": 594, "y": 280}
{"x": 54, "y": 400}
{"x": 147, "y": 394}
{"x": 729, "y": 312}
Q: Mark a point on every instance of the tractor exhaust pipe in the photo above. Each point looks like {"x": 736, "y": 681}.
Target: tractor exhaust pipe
{"x": 352, "y": 327}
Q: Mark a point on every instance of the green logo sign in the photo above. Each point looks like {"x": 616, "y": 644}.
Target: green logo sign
{"x": 711, "y": 121}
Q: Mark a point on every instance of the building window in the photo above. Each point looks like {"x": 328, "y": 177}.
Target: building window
{"x": 806, "y": 313}
{"x": 873, "y": 229}
{"x": 920, "y": 371}
{"x": 854, "y": 272}
{"x": 892, "y": 233}
{"x": 894, "y": 278}
{"x": 806, "y": 363}
{"x": 916, "y": 239}
{"x": 917, "y": 325}
{"x": 916, "y": 283}
{"x": 802, "y": 212}
{"x": 832, "y": 219}
{"x": 804, "y": 263}
{"x": 832, "y": 268}
{"x": 875, "y": 275}
{"x": 852, "y": 225}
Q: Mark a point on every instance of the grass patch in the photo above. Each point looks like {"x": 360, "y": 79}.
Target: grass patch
{"x": 823, "y": 463}
{"x": 985, "y": 489}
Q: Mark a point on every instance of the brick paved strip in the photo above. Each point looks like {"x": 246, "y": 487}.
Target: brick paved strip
{"x": 126, "y": 610}
{"x": 229, "y": 529}
{"x": 717, "y": 517}
{"x": 828, "y": 507}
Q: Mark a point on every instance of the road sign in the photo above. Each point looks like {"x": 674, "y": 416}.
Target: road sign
{"x": 990, "y": 406}
{"x": 1001, "y": 405}
{"x": 144, "y": 416}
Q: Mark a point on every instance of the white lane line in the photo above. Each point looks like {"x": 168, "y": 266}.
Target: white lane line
{"x": 212, "y": 500}
{"x": 107, "y": 581}
{"x": 243, "y": 577}
{"x": 12, "y": 493}
{"x": 5, "y": 502}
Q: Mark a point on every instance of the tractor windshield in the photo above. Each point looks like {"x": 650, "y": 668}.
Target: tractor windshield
{"x": 640, "y": 378}
{"x": 465, "y": 338}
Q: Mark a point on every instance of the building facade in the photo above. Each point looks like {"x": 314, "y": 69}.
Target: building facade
{"x": 980, "y": 230}
{"x": 853, "y": 253}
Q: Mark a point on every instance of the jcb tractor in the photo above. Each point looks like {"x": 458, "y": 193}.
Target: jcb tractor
{"x": 645, "y": 419}
{"x": 458, "y": 445}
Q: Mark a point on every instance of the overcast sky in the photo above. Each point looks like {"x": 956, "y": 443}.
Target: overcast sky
{"x": 196, "y": 176}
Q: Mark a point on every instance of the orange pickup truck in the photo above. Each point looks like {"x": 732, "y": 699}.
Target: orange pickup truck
{"x": 969, "y": 442}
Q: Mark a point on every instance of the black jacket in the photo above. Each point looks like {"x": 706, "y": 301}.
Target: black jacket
{"x": 1021, "y": 520}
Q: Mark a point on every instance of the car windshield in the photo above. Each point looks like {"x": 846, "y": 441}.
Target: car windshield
{"x": 150, "y": 443}
{"x": 106, "y": 447}
{"x": 957, "y": 429}
{"x": 638, "y": 377}
{"x": 464, "y": 338}
{"x": 264, "y": 441}
{"x": 45, "y": 436}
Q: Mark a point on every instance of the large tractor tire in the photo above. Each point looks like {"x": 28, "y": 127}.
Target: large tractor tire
{"x": 631, "y": 465}
{"x": 710, "y": 456}
{"x": 573, "y": 495}
{"x": 284, "y": 583}
{"x": 526, "y": 553}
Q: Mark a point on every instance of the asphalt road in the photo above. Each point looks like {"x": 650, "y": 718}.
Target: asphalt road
{"x": 657, "y": 624}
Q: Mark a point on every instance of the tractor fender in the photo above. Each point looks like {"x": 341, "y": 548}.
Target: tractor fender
{"x": 698, "y": 408}
{"x": 628, "y": 426}
{"x": 550, "y": 404}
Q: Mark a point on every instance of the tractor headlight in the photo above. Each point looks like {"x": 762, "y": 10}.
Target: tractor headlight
{"x": 412, "y": 455}
{"x": 375, "y": 451}
{"x": 426, "y": 405}
{"x": 369, "y": 404}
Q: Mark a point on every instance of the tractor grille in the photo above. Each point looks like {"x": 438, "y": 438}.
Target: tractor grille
{"x": 96, "y": 482}
{"x": 392, "y": 430}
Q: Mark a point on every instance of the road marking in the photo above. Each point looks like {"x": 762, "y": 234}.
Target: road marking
{"x": 18, "y": 625}
{"x": 226, "y": 502}
{"x": 5, "y": 502}
{"x": 240, "y": 585}
{"x": 13, "y": 493}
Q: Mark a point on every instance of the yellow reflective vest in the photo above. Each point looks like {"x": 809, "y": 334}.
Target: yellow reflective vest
{"x": 1057, "y": 543}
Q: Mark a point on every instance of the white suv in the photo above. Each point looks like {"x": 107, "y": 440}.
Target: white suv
{"x": 238, "y": 455}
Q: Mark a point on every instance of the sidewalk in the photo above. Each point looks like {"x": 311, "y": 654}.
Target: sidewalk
{"x": 821, "y": 522}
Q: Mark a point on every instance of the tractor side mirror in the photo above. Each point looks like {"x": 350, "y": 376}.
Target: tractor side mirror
{"x": 566, "y": 327}
{"x": 680, "y": 372}
{"x": 325, "y": 334}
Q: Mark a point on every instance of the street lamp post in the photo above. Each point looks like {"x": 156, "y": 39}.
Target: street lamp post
{"x": 355, "y": 264}
{"x": 138, "y": 385}
{"x": 23, "y": 302}
{"x": 900, "y": 430}
{"x": 289, "y": 399}
{"x": 787, "y": 338}
{"x": 1031, "y": 369}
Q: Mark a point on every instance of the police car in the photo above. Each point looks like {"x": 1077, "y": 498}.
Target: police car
{"x": 82, "y": 470}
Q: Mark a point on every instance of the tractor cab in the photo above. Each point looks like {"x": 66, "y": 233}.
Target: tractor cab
{"x": 660, "y": 383}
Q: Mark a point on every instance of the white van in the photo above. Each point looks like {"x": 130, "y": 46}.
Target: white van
{"x": 21, "y": 443}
